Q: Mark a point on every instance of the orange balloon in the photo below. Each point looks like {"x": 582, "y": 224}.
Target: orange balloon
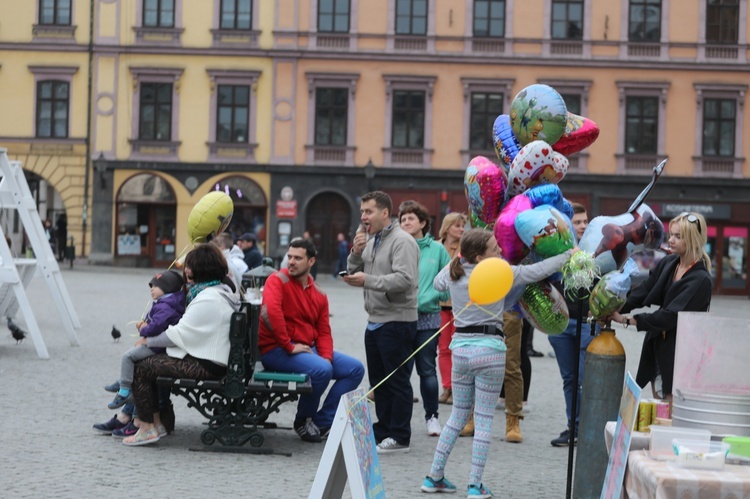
{"x": 490, "y": 281}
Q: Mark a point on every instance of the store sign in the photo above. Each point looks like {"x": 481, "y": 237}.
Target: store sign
{"x": 709, "y": 211}
{"x": 286, "y": 209}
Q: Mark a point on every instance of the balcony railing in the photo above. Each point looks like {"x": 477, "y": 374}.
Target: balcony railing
{"x": 332, "y": 41}
{"x": 487, "y": 45}
{"x": 721, "y": 52}
{"x": 415, "y": 43}
{"x": 565, "y": 48}
{"x": 644, "y": 50}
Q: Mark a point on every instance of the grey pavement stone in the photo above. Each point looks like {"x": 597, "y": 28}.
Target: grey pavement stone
{"x": 47, "y": 408}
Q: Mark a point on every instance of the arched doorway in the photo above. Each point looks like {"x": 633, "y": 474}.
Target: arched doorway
{"x": 327, "y": 215}
{"x": 146, "y": 220}
{"x": 250, "y": 207}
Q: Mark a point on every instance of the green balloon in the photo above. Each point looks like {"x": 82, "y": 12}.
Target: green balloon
{"x": 545, "y": 308}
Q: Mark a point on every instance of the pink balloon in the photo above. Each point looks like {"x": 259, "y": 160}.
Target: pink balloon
{"x": 484, "y": 185}
{"x": 579, "y": 133}
{"x": 536, "y": 163}
{"x": 505, "y": 230}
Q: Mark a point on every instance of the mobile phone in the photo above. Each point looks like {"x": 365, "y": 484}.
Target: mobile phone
{"x": 343, "y": 273}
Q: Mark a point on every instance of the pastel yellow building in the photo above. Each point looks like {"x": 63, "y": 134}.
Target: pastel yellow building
{"x": 300, "y": 106}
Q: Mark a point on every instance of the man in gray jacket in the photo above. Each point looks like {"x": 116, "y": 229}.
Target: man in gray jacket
{"x": 385, "y": 261}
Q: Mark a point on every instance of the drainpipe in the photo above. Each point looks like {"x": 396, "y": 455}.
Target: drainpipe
{"x": 87, "y": 167}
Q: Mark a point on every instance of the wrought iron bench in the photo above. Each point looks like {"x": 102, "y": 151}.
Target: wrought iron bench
{"x": 238, "y": 405}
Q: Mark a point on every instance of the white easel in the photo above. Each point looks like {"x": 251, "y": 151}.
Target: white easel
{"x": 15, "y": 274}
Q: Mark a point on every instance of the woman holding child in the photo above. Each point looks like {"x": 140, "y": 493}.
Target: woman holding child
{"x": 197, "y": 346}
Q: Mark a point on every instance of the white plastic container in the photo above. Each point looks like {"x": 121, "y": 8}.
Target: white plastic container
{"x": 699, "y": 454}
{"x": 661, "y": 440}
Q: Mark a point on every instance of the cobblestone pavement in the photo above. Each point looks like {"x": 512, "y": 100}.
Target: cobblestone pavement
{"x": 47, "y": 407}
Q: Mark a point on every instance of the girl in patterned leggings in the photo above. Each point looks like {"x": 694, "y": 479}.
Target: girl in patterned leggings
{"x": 478, "y": 356}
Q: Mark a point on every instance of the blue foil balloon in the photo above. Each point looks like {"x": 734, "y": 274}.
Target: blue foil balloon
{"x": 504, "y": 140}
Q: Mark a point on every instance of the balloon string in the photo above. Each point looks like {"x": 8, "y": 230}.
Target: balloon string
{"x": 413, "y": 354}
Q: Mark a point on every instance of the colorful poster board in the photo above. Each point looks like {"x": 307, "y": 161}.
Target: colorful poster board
{"x": 350, "y": 454}
{"x": 618, "y": 456}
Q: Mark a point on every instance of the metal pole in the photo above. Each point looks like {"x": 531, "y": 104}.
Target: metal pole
{"x": 89, "y": 98}
{"x": 574, "y": 402}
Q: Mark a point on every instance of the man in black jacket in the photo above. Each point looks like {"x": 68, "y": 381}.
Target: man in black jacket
{"x": 248, "y": 243}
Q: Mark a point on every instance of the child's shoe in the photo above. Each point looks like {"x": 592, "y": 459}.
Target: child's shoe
{"x": 120, "y": 401}
{"x": 125, "y": 431}
{"x": 114, "y": 387}
{"x": 479, "y": 492}
{"x": 430, "y": 485}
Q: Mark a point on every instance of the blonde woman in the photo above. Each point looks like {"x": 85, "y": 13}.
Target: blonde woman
{"x": 680, "y": 282}
{"x": 450, "y": 235}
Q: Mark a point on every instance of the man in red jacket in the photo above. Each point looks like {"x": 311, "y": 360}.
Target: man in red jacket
{"x": 295, "y": 336}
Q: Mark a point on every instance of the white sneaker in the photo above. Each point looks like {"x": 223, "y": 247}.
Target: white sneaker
{"x": 162, "y": 430}
{"x": 433, "y": 427}
{"x": 390, "y": 445}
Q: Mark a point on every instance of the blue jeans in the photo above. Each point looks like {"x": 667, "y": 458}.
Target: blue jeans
{"x": 386, "y": 348}
{"x": 347, "y": 371}
{"x": 426, "y": 369}
{"x": 564, "y": 346}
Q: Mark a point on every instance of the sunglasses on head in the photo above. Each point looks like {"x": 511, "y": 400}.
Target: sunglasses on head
{"x": 692, "y": 219}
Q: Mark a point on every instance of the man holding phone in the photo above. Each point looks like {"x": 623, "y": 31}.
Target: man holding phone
{"x": 386, "y": 266}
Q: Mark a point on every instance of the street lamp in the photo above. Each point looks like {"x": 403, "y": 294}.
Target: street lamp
{"x": 369, "y": 174}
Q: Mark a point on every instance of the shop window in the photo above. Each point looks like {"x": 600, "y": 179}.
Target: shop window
{"x": 250, "y": 206}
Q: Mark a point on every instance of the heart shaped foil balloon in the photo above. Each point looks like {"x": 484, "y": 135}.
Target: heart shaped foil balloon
{"x": 579, "y": 134}
{"x": 545, "y": 308}
{"x": 484, "y": 185}
{"x": 613, "y": 239}
{"x": 545, "y": 231}
{"x": 507, "y": 238}
{"x": 505, "y": 142}
{"x": 538, "y": 112}
{"x": 536, "y": 163}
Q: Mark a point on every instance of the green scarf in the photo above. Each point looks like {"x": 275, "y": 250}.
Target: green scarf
{"x": 196, "y": 287}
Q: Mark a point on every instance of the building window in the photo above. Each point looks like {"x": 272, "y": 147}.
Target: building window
{"x": 411, "y": 17}
{"x": 52, "y": 104}
{"x": 572, "y": 103}
{"x": 719, "y": 120}
{"x": 236, "y": 14}
{"x": 408, "y": 123}
{"x": 232, "y": 113}
{"x": 641, "y": 125}
{"x": 642, "y": 118}
{"x": 644, "y": 21}
{"x": 485, "y": 108}
{"x": 331, "y": 110}
{"x": 54, "y": 12}
{"x": 333, "y": 16}
{"x": 158, "y": 13}
{"x": 489, "y": 18}
{"x": 408, "y": 119}
{"x": 330, "y": 119}
{"x": 722, "y": 21}
{"x": 155, "y": 112}
{"x": 567, "y": 19}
